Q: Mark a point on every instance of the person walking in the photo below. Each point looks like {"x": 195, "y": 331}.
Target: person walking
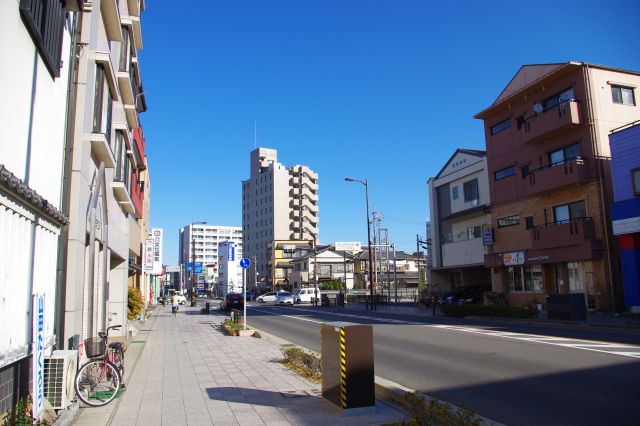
{"x": 175, "y": 303}
{"x": 434, "y": 302}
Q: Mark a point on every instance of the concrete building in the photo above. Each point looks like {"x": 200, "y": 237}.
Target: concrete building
{"x": 321, "y": 266}
{"x": 458, "y": 202}
{"x": 104, "y": 239}
{"x": 278, "y": 203}
{"x": 37, "y": 67}
{"x": 625, "y": 169}
{"x": 281, "y": 254}
{"x": 204, "y": 239}
{"x": 548, "y": 162}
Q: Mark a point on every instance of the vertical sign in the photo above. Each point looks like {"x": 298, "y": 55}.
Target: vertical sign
{"x": 148, "y": 254}
{"x": 232, "y": 251}
{"x": 37, "y": 388}
{"x": 156, "y": 234}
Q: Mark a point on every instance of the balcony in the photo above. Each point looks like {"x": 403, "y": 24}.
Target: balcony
{"x": 463, "y": 253}
{"x": 104, "y": 59}
{"x": 548, "y": 178}
{"x": 132, "y": 116}
{"x": 134, "y": 7}
{"x": 111, "y": 19}
{"x": 121, "y": 193}
{"x": 126, "y": 80}
{"x": 551, "y": 122}
{"x": 137, "y": 32}
{"x": 563, "y": 234}
{"x": 309, "y": 194}
{"x": 101, "y": 151}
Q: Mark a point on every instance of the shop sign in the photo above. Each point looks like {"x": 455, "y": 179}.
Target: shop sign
{"x": 487, "y": 235}
{"x": 37, "y": 390}
{"x": 513, "y": 258}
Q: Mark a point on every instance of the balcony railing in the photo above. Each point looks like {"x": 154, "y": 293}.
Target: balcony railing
{"x": 551, "y": 121}
{"x": 563, "y": 233}
{"x": 554, "y": 176}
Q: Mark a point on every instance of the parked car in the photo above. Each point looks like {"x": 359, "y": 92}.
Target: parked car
{"x": 305, "y": 295}
{"x": 232, "y": 301}
{"x": 464, "y": 295}
{"x": 284, "y": 298}
{"x": 267, "y": 297}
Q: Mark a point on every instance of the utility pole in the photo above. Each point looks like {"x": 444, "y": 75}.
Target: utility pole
{"x": 193, "y": 269}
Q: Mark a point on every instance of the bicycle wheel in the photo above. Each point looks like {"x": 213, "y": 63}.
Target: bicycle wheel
{"x": 97, "y": 383}
{"x": 118, "y": 361}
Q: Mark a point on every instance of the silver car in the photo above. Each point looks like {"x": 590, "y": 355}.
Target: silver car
{"x": 267, "y": 297}
{"x": 284, "y": 298}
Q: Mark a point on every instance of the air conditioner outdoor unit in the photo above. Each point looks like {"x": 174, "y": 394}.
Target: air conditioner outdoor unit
{"x": 59, "y": 374}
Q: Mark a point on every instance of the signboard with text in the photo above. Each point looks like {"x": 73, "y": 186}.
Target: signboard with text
{"x": 348, "y": 246}
{"x": 513, "y": 258}
{"x": 37, "y": 388}
{"x": 156, "y": 235}
{"x": 148, "y": 254}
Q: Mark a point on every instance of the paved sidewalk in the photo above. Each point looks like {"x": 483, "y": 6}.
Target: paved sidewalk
{"x": 190, "y": 373}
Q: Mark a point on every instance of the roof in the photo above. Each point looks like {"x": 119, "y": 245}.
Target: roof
{"x": 473, "y": 152}
{"x": 531, "y": 74}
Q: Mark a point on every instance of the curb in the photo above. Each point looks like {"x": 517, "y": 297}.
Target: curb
{"x": 631, "y": 328}
{"x": 385, "y": 390}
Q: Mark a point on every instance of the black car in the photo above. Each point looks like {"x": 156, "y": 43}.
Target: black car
{"x": 464, "y": 295}
{"x": 232, "y": 301}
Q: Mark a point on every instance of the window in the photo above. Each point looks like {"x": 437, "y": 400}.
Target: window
{"x": 563, "y": 155}
{"x": 98, "y": 99}
{"x": 474, "y": 232}
{"x": 508, "y": 221}
{"x": 557, "y": 99}
{"x": 454, "y": 192}
{"x": 471, "y": 190}
{"x": 528, "y": 222}
{"x": 635, "y": 176}
{"x": 565, "y": 213}
{"x": 525, "y": 171}
{"x": 125, "y": 51}
{"x": 623, "y": 95}
{"x": 503, "y": 125}
{"x": 520, "y": 122}
{"x": 44, "y": 20}
{"x": 505, "y": 173}
{"x": 523, "y": 279}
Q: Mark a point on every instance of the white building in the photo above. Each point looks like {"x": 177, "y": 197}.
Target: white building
{"x": 458, "y": 201}
{"x": 278, "y": 203}
{"x": 229, "y": 271}
{"x": 204, "y": 239}
{"x": 33, "y": 104}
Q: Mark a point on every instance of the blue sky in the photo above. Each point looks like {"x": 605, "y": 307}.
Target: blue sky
{"x": 377, "y": 90}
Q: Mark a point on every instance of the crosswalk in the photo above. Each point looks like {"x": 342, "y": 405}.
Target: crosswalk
{"x": 632, "y": 351}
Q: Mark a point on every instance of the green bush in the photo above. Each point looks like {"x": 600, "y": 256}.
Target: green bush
{"x": 331, "y": 285}
{"x": 134, "y": 303}
{"x": 486, "y": 311}
{"x": 435, "y": 413}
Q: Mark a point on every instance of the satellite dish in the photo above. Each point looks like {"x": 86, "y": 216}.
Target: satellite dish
{"x": 537, "y": 108}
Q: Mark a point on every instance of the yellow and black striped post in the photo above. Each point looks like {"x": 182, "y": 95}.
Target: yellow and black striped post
{"x": 347, "y": 365}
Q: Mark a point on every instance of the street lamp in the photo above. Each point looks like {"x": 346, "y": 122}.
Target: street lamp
{"x": 366, "y": 194}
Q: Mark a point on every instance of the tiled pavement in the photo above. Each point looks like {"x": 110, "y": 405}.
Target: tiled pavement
{"x": 187, "y": 372}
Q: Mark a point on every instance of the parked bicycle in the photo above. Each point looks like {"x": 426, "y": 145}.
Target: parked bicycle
{"x": 98, "y": 381}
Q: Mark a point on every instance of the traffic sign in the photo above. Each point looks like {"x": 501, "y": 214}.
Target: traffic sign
{"x": 245, "y": 263}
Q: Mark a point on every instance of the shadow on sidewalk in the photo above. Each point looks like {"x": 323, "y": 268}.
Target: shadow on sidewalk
{"x": 265, "y": 397}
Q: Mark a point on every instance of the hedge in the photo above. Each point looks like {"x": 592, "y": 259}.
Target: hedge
{"x": 486, "y": 311}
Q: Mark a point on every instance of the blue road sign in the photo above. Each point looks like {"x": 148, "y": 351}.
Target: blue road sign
{"x": 245, "y": 263}
{"x": 189, "y": 266}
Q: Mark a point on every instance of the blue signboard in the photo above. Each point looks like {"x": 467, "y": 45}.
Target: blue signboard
{"x": 232, "y": 252}
{"x": 189, "y": 266}
{"x": 38, "y": 356}
{"x": 245, "y": 263}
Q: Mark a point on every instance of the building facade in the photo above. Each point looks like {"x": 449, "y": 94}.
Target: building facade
{"x": 323, "y": 265}
{"x": 35, "y": 79}
{"x": 625, "y": 169}
{"x": 458, "y": 202}
{"x": 281, "y": 254}
{"x": 204, "y": 239}
{"x": 229, "y": 271}
{"x": 548, "y": 162}
{"x": 278, "y": 203}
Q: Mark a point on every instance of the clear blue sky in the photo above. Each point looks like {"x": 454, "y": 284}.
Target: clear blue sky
{"x": 377, "y": 90}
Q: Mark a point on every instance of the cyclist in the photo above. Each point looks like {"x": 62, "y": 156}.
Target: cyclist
{"x": 175, "y": 303}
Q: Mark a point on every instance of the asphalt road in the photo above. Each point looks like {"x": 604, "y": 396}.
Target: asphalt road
{"x": 517, "y": 374}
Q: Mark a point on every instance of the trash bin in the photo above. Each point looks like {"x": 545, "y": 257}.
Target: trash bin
{"x": 207, "y": 308}
{"x": 569, "y": 306}
{"x": 347, "y": 365}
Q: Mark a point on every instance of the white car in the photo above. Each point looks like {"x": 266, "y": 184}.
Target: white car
{"x": 284, "y": 298}
{"x": 305, "y": 295}
{"x": 267, "y": 297}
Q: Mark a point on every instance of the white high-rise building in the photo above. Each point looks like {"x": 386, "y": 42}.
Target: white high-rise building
{"x": 229, "y": 271}
{"x": 205, "y": 238}
{"x": 278, "y": 203}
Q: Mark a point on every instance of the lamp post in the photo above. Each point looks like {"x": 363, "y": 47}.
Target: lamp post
{"x": 366, "y": 194}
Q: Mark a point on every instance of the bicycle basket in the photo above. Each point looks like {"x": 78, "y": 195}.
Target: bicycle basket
{"x": 95, "y": 347}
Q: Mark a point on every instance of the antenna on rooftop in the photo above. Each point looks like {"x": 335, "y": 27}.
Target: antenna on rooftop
{"x": 255, "y": 140}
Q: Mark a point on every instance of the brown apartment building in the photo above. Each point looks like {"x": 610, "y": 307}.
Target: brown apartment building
{"x": 549, "y": 181}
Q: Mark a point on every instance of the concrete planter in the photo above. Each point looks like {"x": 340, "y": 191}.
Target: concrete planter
{"x": 231, "y": 332}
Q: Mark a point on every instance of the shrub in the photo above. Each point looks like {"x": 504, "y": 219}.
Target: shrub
{"x": 486, "y": 310}
{"x": 304, "y": 364}
{"x": 436, "y": 413}
{"x": 331, "y": 285}
{"x": 134, "y": 303}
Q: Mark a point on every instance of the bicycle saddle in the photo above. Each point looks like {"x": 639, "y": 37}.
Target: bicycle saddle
{"x": 115, "y": 345}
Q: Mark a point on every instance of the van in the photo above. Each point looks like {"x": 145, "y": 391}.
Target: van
{"x": 305, "y": 295}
